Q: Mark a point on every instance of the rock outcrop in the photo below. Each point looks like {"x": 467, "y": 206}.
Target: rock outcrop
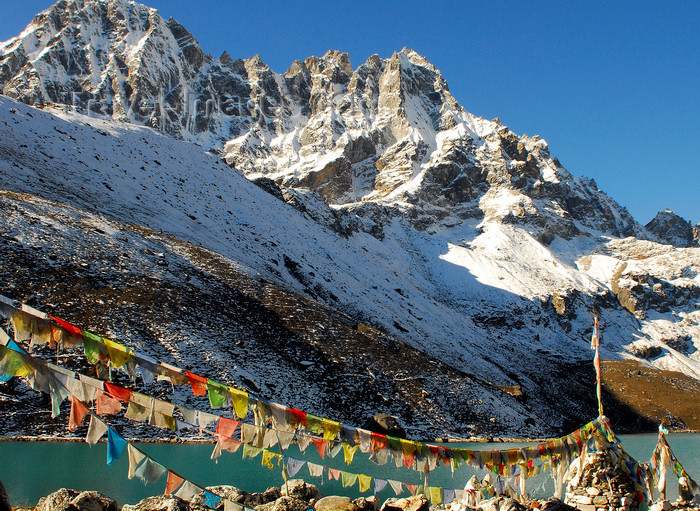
{"x": 414, "y": 503}
{"x": 4, "y": 499}
{"x": 672, "y": 229}
{"x": 300, "y": 489}
{"x": 71, "y": 500}
{"x": 159, "y": 503}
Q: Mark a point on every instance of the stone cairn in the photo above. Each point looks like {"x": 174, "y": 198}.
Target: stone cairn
{"x": 601, "y": 485}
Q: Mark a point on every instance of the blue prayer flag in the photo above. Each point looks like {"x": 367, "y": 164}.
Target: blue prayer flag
{"x": 115, "y": 446}
{"x": 212, "y": 500}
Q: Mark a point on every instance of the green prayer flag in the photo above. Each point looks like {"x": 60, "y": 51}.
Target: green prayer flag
{"x": 348, "y": 479}
{"x": 394, "y": 443}
{"x": 314, "y": 424}
{"x": 12, "y": 363}
{"x": 217, "y": 394}
{"x": 94, "y": 348}
{"x": 250, "y": 451}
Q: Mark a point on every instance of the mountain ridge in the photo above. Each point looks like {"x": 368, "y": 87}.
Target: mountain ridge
{"x": 377, "y": 194}
{"x": 388, "y": 132}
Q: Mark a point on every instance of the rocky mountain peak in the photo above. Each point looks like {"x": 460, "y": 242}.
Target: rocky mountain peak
{"x": 388, "y": 133}
{"x": 671, "y": 229}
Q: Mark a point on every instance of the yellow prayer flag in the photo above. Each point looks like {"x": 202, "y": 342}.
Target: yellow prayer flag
{"x": 239, "y": 398}
{"x": 513, "y": 456}
{"x": 365, "y": 482}
{"x": 435, "y": 494}
{"x": 349, "y": 452}
{"x": 22, "y": 325}
{"x": 408, "y": 447}
{"x": 330, "y": 429}
{"x": 348, "y": 479}
{"x": 118, "y": 353}
{"x": 267, "y": 458}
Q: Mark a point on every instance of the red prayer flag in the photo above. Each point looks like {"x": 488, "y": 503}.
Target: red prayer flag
{"x": 73, "y": 330}
{"x": 333, "y": 473}
{"x": 378, "y": 442}
{"x": 299, "y": 416}
{"x": 174, "y": 482}
{"x": 118, "y": 392}
{"x": 441, "y": 452}
{"x": 411, "y": 487}
{"x": 198, "y": 383}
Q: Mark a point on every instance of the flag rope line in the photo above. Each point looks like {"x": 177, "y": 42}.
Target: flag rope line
{"x": 81, "y": 379}
{"x": 550, "y": 450}
{"x": 178, "y": 376}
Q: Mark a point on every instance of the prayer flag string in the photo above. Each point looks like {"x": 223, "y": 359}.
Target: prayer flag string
{"x": 221, "y": 395}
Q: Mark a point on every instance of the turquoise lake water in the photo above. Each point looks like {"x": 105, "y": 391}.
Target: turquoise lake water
{"x": 31, "y": 470}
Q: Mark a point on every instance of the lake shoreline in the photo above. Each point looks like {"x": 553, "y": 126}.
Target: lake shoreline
{"x": 177, "y": 440}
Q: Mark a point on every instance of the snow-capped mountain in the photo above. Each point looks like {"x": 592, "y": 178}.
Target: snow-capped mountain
{"x": 377, "y": 195}
{"x": 388, "y": 133}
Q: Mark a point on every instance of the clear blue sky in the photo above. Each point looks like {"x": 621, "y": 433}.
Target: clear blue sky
{"x": 613, "y": 88}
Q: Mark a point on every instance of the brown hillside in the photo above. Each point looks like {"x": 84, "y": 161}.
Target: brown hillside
{"x": 637, "y": 397}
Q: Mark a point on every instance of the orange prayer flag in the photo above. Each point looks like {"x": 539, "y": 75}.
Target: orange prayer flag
{"x": 409, "y": 459}
{"x": 320, "y": 444}
{"x": 107, "y": 404}
{"x": 173, "y": 483}
{"x": 77, "y": 413}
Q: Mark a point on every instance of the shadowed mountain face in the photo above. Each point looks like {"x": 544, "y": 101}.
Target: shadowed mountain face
{"x": 195, "y": 309}
{"x": 460, "y": 243}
